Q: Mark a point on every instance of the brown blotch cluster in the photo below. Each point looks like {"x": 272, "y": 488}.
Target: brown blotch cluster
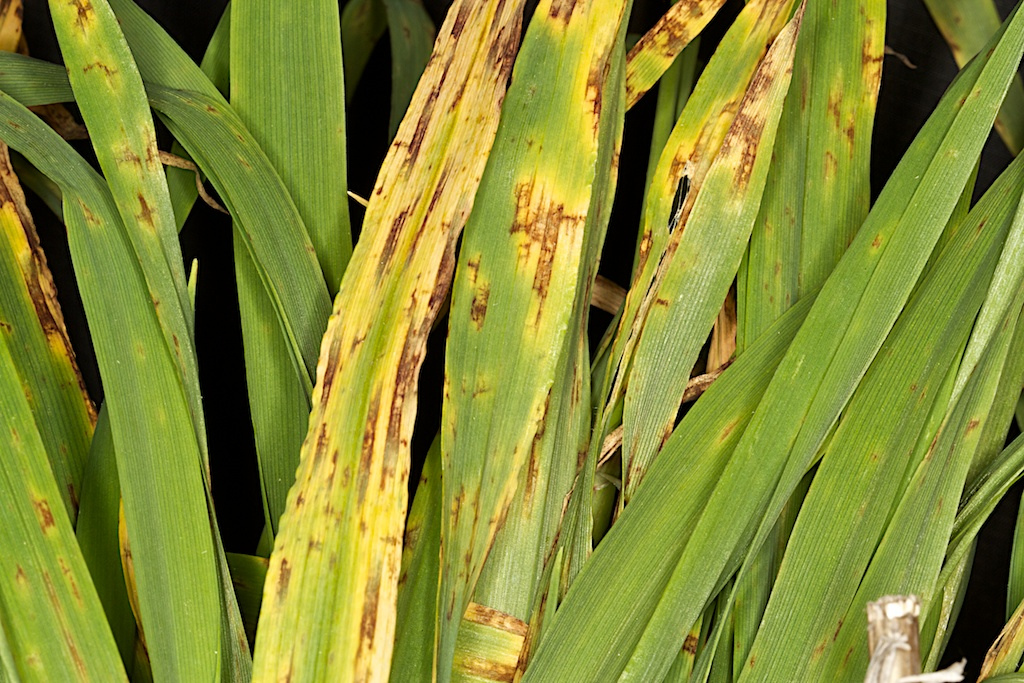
{"x": 46, "y": 521}
{"x": 145, "y": 214}
{"x": 561, "y": 10}
{"x": 478, "y": 307}
{"x": 85, "y": 12}
{"x": 107, "y": 70}
{"x": 542, "y": 223}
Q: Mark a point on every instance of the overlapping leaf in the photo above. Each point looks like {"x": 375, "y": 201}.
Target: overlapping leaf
{"x": 330, "y": 597}
{"x": 52, "y": 625}
{"x": 693, "y": 278}
{"x": 520, "y": 292}
{"x": 851, "y": 317}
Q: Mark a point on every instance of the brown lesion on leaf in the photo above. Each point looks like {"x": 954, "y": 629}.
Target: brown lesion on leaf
{"x": 542, "y": 222}
{"x": 478, "y": 307}
{"x": 596, "y": 78}
{"x": 85, "y": 13}
{"x": 850, "y": 131}
{"x": 456, "y": 507}
{"x": 128, "y": 156}
{"x": 667, "y": 38}
{"x": 70, "y": 578}
{"x": 284, "y": 577}
{"x": 877, "y": 242}
{"x": 461, "y": 17}
{"x": 872, "y": 56}
{"x": 746, "y": 135}
{"x": 473, "y": 269}
{"x": 76, "y": 656}
{"x": 690, "y": 645}
{"x": 366, "y": 452}
{"x": 108, "y": 71}
{"x": 19, "y": 575}
{"x": 971, "y": 426}
{"x": 87, "y": 213}
{"x": 368, "y": 621}
{"x": 834, "y": 108}
{"x": 45, "y": 515}
{"x": 727, "y": 430}
{"x": 481, "y": 387}
{"x": 394, "y": 235}
{"x": 480, "y": 668}
{"x": 145, "y": 214}
{"x": 561, "y": 11}
{"x": 72, "y": 494}
{"x": 532, "y": 470}
{"x": 488, "y": 616}
{"x": 831, "y": 170}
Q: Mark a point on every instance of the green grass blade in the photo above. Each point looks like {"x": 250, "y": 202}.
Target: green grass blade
{"x": 861, "y": 476}
{"x": 109, "y": 92}
{"x": 219, "y": 142}
{"x": 1015, "y": 588}
{"x": 266, "y": 218}
{"x": 948, "y": 600}
{"x": 97, "y": 536}
{"x": 911, "y": 553}
{"x": 51, "y": 620}
{"x": 628, "y": 570}
{"x": 417, "y": 585}
{"x": 411, "y": 36}
{"x": 32, "y": 323}
{"x": 967, "y": 25}
{"x": 702, "y": 258}
{"x": 657, "y": 49}
{"x": 818, "y": 187}
{"x": 333, "y": 577}
{"x": 159, "y": 458}
{"x": 754, "y": 587}
{"x": 518, "y": 274}
{"x": 363, "y": 22}
{"x": 286, "y": 85}
{"x": 279, "y": 92}
{"x": 32, "y": 81}
{"x": 851, "y": 317}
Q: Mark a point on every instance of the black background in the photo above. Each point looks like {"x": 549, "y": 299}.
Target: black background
{"x": 907, "y": 97}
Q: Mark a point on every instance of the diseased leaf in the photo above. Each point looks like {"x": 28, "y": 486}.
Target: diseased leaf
{"x": 333, "y": 577}
{"x": 701, "y": 259}
{"x": 657, "y": 49}
{"x": 52, "y": 626}
{"x": 32, "y": 322}
{"x": 514, "y": 294}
